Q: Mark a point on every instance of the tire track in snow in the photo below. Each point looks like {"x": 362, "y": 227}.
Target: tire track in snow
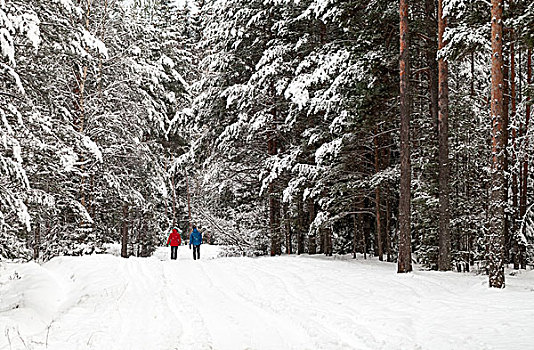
{"x": 194, "y": 325}
{"x": 311, "y": 313}
{"x": 353, "y": 321}
{"x": 244, "y": 322}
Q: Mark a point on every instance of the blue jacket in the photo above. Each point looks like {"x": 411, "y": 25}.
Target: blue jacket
{"x": 195, "y": 238}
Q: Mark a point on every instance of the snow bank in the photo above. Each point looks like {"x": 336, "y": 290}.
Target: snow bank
{"x": 296, "y": 302}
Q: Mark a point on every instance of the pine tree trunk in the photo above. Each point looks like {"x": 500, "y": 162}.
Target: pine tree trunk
{"x": 92, "y": 203}
{"x": 190, "y": 223}
{"x": 328, "y": 242}
{"x": 124, "y": 246}
{"x": 506, "y": 122}
{"x": 495, "y": 234}
{"x": 444, "y": 261}
{"x": 388, "y": 229}
{"x": 273, "y": 220}
{"x": 144, "y": 244}
{"x": 364, "y": 231}
{"x": 515, "y": 206}
{"x": 36, "y": 241}
{"x": 472, "y": 92}
{"x": 431, "y": 51}
{"x": 81, "y": 80}
{"x": 377, "y": 200}
{"x": 287, "y": 226}
{"x": 524, "y": 182}
{"x": 404, "y": 261}
{"x": 274, "y": 199}
{"x": 523, "y": 205}
{"x": 300, "y": 226}
{"x": 355, "y": 237}
{"x": 312, "y": 245}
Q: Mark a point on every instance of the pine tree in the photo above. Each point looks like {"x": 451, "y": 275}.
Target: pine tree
{"x": 495, "y": 235}
{"x": 405, "y": 260}
{"x": 443, "y": 127}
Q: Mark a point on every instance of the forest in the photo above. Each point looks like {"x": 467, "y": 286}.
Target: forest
{"x": 396, "y": 130}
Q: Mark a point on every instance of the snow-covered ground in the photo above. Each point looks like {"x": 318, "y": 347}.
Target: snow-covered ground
{"x": 106, "y": 302}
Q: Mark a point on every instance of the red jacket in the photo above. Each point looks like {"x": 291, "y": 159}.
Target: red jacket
{"x": 174, "y": 238}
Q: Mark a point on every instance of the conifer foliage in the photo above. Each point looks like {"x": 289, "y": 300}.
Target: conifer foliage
{"x": 277, "y": 126}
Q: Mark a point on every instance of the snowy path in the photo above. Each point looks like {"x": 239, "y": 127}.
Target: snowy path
{"x": 105, "y": 302}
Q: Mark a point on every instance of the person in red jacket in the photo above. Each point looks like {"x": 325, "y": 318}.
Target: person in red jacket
{"x": 175, "y": 240}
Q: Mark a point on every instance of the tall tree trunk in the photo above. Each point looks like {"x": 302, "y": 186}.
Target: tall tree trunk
{"x": 124, "y": 245}
{"x": 523, "y": 205}
{"x": 312, "y": 244}
{"x": 472, "y": 90}
{"x": 366, "y": 222}
{"x": 355, "y": 237}
{"x": 328, "y": 241}
{"x": 506, "y": 122}
{"x": 322, "y": 241}
{"x": 190, "y": 223}
{"x": 495, "y": 234}
{"x": 377, "y": 200}
{"x": 300, "y": 226}
{"x": 404, "y": 261}
{"x": 431, "y": 50}
{"x": 81, "y": 79}
{"x": 92, "y": 203}
{"x": 515, "y": 206}
{"x": 273, "y": 220}
{"x": 388, "y": 228}
{"x": 274, "y": 199}
{"x": 36, "y": 240}
{"x": 173, "y": 184}
{"x": 444, "y": 261}
{"x": 287, "y": 225}
{"x": 524, "y": 182}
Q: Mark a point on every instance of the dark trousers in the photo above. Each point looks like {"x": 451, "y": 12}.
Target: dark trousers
{"x": 196, "y": 252}
{"x": 174, "y": 252}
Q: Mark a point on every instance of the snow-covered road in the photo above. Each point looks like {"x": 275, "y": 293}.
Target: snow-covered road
{"x": 105, "y": 302}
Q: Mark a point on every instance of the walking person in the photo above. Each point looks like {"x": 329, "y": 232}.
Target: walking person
{"x": 195, "y": 239}
{"x": 175, "y": 240}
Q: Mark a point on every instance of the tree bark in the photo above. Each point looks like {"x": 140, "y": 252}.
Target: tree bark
{"x": 524, "y": 182}
{"x": 173, "y": 184}
{"x": 312, "y": 244}
{"x": 515, "y": 191}
{"x": 300, "y": 226}
{"x": 355, "y": 237}
{"x": 190, "y": 223}
{"x": 377, "y": 200}
{"x": 523, "y": 201}
{"x": 328, "y": 242}
{"x": 523, "y": 205}
{"x": 274, "y": 198}
{"x": 404, "y": 261}
{"x": 322, "y": 241}
{"x": 431, "y": 52}
{"x": 36, "y": 241}
{"x": 124, "y": 245}
{"x": 495, "y": 234}
{"x": 287, "y": 226}
{"x": 506, "y": 122}
{"x": 389, "y": 254}
{"x": 444, "y": 260}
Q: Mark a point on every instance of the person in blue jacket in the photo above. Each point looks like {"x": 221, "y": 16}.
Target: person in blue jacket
{"x": 195, "y": 239}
